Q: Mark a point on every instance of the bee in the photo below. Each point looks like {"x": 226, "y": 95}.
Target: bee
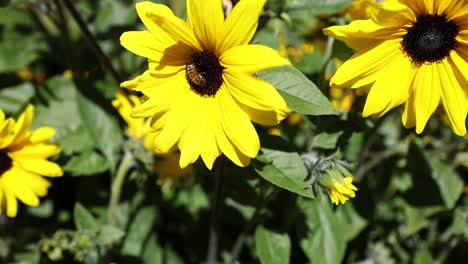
{"x": 194, "y": 76}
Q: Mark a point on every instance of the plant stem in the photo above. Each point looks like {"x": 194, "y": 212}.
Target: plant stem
{"x": 103, "y": 59}
{"x": 216, "y": 202}
{"x": 116, "y": 189}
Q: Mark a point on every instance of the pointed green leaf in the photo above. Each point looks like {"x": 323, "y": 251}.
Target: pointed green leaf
{"x": 271, "y": 247}
{"x": 298, "y": 91}
{"x": 284, "y": 169}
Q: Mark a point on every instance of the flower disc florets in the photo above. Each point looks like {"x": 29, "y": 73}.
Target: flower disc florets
{"x": 204, "y": 73}
{"x": 430, "y": 39}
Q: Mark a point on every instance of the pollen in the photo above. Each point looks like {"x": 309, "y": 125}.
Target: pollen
{"x": 430, "y": 39}
{"x": 204, "y": 73}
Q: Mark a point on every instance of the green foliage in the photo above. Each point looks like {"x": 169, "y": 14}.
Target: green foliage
{"x": 272, "y": 247}
{"x": 411, "y": 202}
{"x": 299, "y": 92}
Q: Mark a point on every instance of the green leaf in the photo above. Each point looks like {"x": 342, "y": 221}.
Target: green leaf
{"x": 325, "y": 242}
{"x": 76, "y": 141}
{"x": 139, "y": 230}
{"x": 347, "y": 215}
{"x": 86, "y": 163}
{"x": 103, "y": 128}
{"x": 271, "y": 247}
{"x": 44, "y": 210}
{"x": 284, "y": 169}
{"x": 320, "y": 6}
{"x": 83, "y": 218}
{"x": 30, "y": 255}
{"x": 109, "y": 235}
{"x": 15, "y": 98}
{"x": 416, "y": 218}
{"x": 459, "y": 225}
{"x": 450, "y": 184}
{"x": 423, "y": 256}
{"x": 298, "y": 91}
{"x": 18, "y": 51}
{"x": 152, "y": 253}
{"x": 441, "y": 183}
{"x": 326, "y": 140}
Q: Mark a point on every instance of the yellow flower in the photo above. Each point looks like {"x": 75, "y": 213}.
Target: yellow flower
{"x": 411, "y": 52}
{"x": 137, "y": 128}
{"x": 339, "y": 188}
{"x": 167, "y": 168}
{"x": 23, "y": 159}
{"x": 200, "y": 86}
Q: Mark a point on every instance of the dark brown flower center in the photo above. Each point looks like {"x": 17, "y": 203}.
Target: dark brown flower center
{"x": 5, "y": 161}
{"x": 430, "y": 39}
{"x": 204, "y": 73}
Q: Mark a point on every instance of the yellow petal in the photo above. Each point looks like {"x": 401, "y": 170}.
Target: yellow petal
{"x": 158, "y": 19}
{"x": 13, "y": 180}
{"x": 42, "y": 134}
{"x": 35, "y": 151}
{"x": 176, "y": 121}
{"x": 389, "y": 92}
{"x": 146, "y": 10}
{"x": 453, "y": 97}
{"x": 237, "y": 126}
{"x": 241, "y": 24}
{"x": 210, "y": 150}
{"x": 459, "y": 61}
{"x": 257, "y": 98}
{"x": 408, "y": 118}
{"x": 23, "y": 125}
{"x": 39, "y": 166}
{"x": 363, "y": 34}
{"x": 228, "y": 148}
{"x": 251, "y": 58}
{"x": 427, "y": 89}
{"x": 7, "y": 133}
{"x": 207, "y": 18}
{"x": 11, "y": 203}
{"x": 392, "y": 14}
{"x": 36, "y": 183}
{"x": 144, "y": 44}
{"x": 362, "y": 68}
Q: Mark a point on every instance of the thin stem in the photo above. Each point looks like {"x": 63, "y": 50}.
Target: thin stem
{"x": 103, "y": 59}
{"x": 216, "y": 202}
{"x": 116, "y": 189}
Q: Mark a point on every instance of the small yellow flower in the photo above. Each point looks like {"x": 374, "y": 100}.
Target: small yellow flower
{"x": 137, "y": 128}
{"x": 340, "y": 189}
{"x": 413, "y": 53}
{"x": 201, "y": 89}
{"x": 23, "y": 161}
{"x": 166, "y": 166}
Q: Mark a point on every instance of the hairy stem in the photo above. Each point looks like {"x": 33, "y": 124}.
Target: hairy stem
{"x": 116, "y": 189}
{"x": 103, "y": 59}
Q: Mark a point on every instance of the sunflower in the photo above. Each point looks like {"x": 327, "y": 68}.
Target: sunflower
{"x": 412, "y": 52}
{"x": 201, "y": 89}
{"x": 23, "y": 154}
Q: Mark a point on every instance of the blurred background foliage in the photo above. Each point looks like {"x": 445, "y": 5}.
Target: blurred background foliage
{"x": 412, "y": 203}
